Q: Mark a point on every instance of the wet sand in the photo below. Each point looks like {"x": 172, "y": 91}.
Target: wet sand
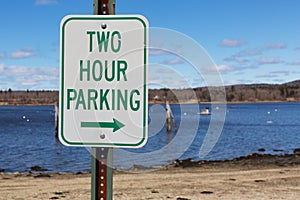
{"x": 251, "y": 177}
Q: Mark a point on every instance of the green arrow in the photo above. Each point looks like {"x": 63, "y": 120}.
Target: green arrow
{"x": 116, "y": 125}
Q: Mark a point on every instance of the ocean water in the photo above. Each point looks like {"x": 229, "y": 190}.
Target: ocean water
{"x": 28, "y": 137}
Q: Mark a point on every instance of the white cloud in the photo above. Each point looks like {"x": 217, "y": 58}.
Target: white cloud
{"x": 276, "y": 46}
{"x": 173, "y": 61}
{"x": 236, "y": 59}
{"x": 164, "y": 70}
{"x": 157, "y": 52}
{"x": 231, "y": 43}
{"x": 281, "y": 73}
{"x": 248, "y": 52}
{"x": 265, "y": 75}
{"x": 25, "y": 76}
{"x": 271, "y": 60}
{"x": 18, "y": 71}
{"x": 154, "y": 81}
{"x": 241, "y": 60}
{"x": 2, "y": 55}
{"x": 35, "y": 80}
{"x": 294, "y": 63}
{"x": 297, "y": 48}
{"x": 225, "y": 68}
{"x": 182, "y": 83}
{"x": 153, "y": 51}
{"x": 22, "y": 53}
{"x": 1, "y": 68}
{"x": 273, "y": 74}
{"x": 232, "y": 82}
{"x": 45, "y": 2}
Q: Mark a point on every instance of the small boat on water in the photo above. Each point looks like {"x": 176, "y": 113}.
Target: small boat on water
{"x": 205, "y": 111}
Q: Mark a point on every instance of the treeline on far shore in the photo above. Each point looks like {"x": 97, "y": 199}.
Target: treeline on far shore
{"x": 40, "y": 97}
{"x": 235, "y": 93}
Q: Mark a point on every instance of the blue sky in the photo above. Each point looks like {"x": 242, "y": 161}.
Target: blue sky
{"x": 249, "y": 41}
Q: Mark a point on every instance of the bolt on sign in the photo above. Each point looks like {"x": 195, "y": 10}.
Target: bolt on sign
{"x": 103, "y": 81}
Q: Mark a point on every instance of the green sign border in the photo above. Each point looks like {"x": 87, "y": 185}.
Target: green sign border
{"x": 61, "y": 113}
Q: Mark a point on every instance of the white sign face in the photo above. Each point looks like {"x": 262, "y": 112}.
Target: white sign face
{"x": 103, "y": 83}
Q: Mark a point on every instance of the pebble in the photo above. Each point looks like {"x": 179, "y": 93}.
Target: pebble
{"x": 206, "y": 192}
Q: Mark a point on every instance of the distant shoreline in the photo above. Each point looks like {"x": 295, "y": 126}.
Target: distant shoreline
{"x": 245, "y": 93}
{"x": 162, "y": 102}
{"x": 228, "y": 102}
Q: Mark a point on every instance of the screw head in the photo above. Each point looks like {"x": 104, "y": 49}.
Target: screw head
{"x": 103, "y": 26}
{"x": 102, "y": 136}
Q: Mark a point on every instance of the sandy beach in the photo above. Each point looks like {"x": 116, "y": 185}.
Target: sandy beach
{"x": 252, "y": 177}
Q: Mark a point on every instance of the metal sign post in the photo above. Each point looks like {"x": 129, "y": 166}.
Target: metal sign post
{"x": 102, "y": 180}
{"x": 102, "y": 174}
{"x": 103, "y": 87}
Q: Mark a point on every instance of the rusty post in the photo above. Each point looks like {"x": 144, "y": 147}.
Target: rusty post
{"x": 102, "y": 157}
{"x": 104, "y": 7}
{"x": 102, "y": 173}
